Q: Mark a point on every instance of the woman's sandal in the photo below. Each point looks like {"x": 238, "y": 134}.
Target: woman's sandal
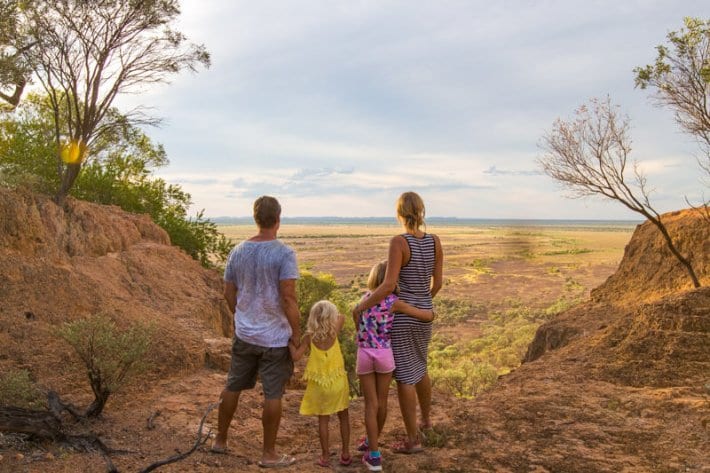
{"x": 346, "y": 461}
{"x": 323, "y": 463}
{"x": 406, "y": 448}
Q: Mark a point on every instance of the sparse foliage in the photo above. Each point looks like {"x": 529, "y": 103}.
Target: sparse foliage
{"x": 680, "y": 80}
{"x": 14, "y": 41}
{"x": 84, "y": 54}
{"x": 110, "y": 356}
{"x": 589, "y": 155}
{"x": 18, "y": 390}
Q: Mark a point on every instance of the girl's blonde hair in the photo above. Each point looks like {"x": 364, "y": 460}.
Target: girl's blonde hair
{"x": 377, "y": 275}
{"x": 322, "y": 320}
{"x": 410, "y": 211}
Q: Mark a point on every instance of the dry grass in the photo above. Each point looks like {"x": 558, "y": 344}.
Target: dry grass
{"x": 487, "y": 268}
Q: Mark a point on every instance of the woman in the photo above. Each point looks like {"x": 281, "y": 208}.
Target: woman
{"x": 415, "y": 264}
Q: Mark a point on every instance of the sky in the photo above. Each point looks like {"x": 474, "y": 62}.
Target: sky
{"x": 337, "y": 107}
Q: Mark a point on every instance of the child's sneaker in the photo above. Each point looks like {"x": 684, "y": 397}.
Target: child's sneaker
{"x": 372, "y": 463}
{"x": 362, "y": 445}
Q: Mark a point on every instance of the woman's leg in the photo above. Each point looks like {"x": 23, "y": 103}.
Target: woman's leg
{"x": 369, "y": 392}
{"x": 423, "y": 389}
{"x": 407, "y": 394}
{"x": 344, "y": 418}
{"x": 323, "y": 435}
{"x": 382, "y": 381}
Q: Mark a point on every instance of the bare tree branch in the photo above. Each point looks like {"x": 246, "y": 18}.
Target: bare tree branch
{"x": 181, "y": 456}
{"x": 589, "y": 156}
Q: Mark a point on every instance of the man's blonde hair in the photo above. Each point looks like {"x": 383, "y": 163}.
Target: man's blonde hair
{"x": 322, "y": 320}
{"x": 410, "y": 211}
{"x": 267, "y": 211}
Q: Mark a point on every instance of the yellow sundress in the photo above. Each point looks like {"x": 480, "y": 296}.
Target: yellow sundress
{"x": 327, "y": 391}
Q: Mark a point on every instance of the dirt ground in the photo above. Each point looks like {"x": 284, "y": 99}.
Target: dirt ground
{"x": 491, "y": 268}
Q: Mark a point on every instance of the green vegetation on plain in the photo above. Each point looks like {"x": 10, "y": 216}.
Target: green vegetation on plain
{"x": 467, "y": 368}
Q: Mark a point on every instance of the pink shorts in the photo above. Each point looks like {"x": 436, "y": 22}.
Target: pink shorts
{"x": 374, "y": 360}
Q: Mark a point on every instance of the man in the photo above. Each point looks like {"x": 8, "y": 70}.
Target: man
{"x": 260, "y": 286}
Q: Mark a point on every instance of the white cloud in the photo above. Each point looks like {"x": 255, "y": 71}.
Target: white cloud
{"x": 338, "y": 106}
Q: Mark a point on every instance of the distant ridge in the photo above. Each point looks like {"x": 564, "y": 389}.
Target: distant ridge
{"x": 439, "y": 221}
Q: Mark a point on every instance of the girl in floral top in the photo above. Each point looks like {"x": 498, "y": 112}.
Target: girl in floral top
{"x": 375, "y": 362}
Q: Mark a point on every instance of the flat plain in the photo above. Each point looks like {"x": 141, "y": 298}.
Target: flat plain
{"x": 486, "y": 268}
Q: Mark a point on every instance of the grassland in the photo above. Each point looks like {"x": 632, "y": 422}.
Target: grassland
{"x": 500, "y": 283}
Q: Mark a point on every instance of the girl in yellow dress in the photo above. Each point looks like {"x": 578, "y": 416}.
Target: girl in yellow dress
{"x": 327, "y": 391}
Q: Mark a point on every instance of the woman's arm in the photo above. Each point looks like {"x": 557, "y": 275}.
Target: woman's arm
{"x": 394, "y": 264}
{"x": 427, "y": 315}
{"x": 438, "y": 276}
{"x": 298, "y": 352}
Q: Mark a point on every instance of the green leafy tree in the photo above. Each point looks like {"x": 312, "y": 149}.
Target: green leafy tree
{"x": 14, "y": 41}
{"x": 110, "y": 356}
{"x": 84, "y": 54}
{"x": 120, "y": 171}
{"x": 680, "y": 80}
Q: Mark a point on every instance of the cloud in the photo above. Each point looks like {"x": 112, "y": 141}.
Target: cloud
{"x": 339, "y": 106}
{"x": 494, "y": 171}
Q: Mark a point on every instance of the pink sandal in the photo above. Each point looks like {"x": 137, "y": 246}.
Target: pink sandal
{"x": 345, "y": 461}
{"x": 324, "y": 463}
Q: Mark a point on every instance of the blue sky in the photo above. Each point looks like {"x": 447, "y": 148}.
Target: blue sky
{"x": 338, "y": 107}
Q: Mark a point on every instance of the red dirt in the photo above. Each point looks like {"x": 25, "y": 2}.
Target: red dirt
{"x": 618, "y": 383}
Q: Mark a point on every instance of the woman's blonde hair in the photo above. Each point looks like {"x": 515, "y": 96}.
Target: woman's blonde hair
{"x": 322, "y": 320}
{"x": 410, "y": 210}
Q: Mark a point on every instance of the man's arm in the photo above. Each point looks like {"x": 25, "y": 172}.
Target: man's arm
{"x": 287, "y": 290}
{"x": 230, "y": 295}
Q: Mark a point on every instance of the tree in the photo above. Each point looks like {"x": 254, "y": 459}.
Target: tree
{"x": 85, "y": 53}
{"x": 589, "y": 155}
{"x": 110, "y": 356}
{"x": 119, "y": 171}
{"x": 13, "y": 43}
{"x": 680, "y": 79}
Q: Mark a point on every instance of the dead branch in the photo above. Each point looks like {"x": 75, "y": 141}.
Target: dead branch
{"x": 181, "y": 456}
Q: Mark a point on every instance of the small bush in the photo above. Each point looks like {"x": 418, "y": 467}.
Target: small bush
{"x": 467, "y": 368}
{"x": 18, "y": 390}
{"x": 110, "y": 356}
{"x": 452, "y": 311}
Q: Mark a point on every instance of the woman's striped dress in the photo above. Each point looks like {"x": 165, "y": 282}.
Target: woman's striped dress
{"x": 410, "y": 336}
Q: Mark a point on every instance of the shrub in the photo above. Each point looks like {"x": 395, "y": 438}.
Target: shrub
{"x": 467, "y": 368}
{"x": 18, "y": 390}
{"x": 110, "y": 356}
{"x": 466, "y": 379}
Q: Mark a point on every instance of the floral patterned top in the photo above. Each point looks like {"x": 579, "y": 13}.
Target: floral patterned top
{"x": 375, "y": 324}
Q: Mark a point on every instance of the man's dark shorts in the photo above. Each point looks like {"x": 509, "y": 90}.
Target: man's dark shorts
{"x": 274, "y": 366}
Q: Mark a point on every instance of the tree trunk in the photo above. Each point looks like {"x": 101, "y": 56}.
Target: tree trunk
{"x": 41, "y": 424}
{"x": 684, "y": 261}
{"x": 71, "y": 172}
{"x": 97, "y": 405}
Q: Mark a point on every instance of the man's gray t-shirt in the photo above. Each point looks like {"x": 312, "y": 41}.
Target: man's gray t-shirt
{"x": 256, "y": 269}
